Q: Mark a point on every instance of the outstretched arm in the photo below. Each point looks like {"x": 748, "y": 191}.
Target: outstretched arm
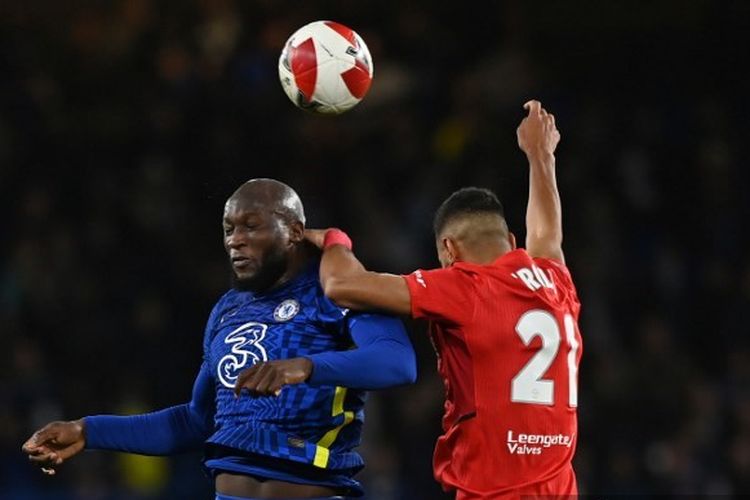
{"x": 538, "y": 138}
{"x": 346, "y": 281}
{"x": 179, "y": 428}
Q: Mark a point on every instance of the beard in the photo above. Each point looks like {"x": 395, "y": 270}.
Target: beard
{"x": 271, "y": 270}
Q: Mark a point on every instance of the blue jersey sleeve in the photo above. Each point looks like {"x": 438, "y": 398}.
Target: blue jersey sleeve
{"x": 172, "y": 430}
{"x": 333, "y": 317}
{"x": 383, "y": 356}
{"x": 180, "y": 428}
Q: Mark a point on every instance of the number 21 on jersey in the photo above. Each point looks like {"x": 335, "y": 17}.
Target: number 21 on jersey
{"x": 528, "y": 386}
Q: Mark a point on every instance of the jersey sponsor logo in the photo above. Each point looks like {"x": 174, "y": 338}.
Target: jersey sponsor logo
{"x": 246, "y": 349}
{"x": 286, "y": 310}
{"x": 535, "y": 444}
{"x": 420, "y": 279}
{"x": 534, "y": 278}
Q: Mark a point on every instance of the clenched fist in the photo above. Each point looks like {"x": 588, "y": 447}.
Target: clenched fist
{"x": 537, "y": 134}
{"x": 267, "y": 378}
{"x": 54, "y": 443}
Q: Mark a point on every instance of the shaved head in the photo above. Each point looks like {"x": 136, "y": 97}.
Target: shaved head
{"x": 271, "y": 195}
{"x": 466, "y": 201}
{"x": 476, "y": 228}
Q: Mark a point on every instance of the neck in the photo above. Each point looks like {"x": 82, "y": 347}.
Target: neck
{"x": 484, "y": 255}
{"x": 299, "y": 258}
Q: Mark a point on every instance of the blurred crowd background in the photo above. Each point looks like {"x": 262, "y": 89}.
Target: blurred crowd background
{"x": 124, "y": 125}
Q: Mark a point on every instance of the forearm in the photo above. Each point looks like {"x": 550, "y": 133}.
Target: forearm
{"x": 179, "y": 428}
{"x": 346, "y": 282}
{"x": 163, "y": 432}
{"x": 544, "y": 212}
{"x": 384, "y": 357}
{"x": 386, "y": 365}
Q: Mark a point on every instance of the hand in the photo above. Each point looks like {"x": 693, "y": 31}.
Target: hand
{"x": 264, "y": 379}
{"x": 537, "y": 134}
{"x": 316, "y": 236}
{"x": 54, "y": 443}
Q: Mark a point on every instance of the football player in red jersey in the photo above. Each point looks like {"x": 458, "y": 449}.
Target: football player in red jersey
{"x": 504, "y": 324}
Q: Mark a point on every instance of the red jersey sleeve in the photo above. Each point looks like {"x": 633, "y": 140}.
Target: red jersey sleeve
{"x": 442, "y": 294}
{"x": 562, "y": 276}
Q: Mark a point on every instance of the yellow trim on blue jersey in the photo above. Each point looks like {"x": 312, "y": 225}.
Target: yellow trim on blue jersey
{"x": 321, "y": 449}
{"x": 321, "y": 457}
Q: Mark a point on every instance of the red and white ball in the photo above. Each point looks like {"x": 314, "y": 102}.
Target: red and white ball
{"x": 325, "y": 67}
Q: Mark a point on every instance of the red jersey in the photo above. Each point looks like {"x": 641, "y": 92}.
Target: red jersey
{"x": 508, "y": 349}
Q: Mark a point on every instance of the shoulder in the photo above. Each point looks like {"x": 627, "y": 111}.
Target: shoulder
{"x": 556, "y": 267}
{"x": 521, "y": 259}
{"x": 459, "y": 274}
{"x": 436, "y": 289}
{"x": 326, "y": 310}
{"x": 230, "y": 298}
{"x": 561, "y": 276}
{"x": 223, "y": 305}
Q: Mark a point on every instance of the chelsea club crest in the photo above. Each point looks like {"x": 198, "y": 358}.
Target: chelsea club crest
{"x": 286, "y": 310}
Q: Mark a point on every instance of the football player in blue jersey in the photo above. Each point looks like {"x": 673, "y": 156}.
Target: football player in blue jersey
{"x": 278, "y": 403}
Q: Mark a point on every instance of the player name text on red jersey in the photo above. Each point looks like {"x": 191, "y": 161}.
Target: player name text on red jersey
{"x": 534, "y": 278}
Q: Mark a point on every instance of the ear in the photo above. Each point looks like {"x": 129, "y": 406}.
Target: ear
{"x": 296, "y": 232}
{"x": 451, "y": 250}
{"x": 512, "y": 240}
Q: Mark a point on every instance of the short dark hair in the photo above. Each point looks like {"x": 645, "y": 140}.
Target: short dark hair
{"x": 468, "y": 200}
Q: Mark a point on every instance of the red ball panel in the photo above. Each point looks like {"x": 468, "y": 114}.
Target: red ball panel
{"x": 305, "y": 67}
{"x": 357, "y": 79}
{"x": 343, "y": 31}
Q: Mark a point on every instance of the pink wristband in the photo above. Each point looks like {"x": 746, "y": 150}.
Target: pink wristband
{"x": 336, "y": 237}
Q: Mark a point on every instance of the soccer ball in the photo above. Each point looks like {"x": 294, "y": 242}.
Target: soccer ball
{"x": 325, "y": 68}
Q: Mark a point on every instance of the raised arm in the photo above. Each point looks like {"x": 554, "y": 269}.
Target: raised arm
{"x": 538, "y": 138}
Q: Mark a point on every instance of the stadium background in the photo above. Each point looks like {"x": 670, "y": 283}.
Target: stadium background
{"x": 124, "y": 125}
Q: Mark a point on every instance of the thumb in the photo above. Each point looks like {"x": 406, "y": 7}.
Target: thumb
{"x": 533, "y": 106}
{"x": 40, "y": 438}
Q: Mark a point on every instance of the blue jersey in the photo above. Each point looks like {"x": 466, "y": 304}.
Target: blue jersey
{"x": 319, "y": 426}
{"x": 305, "y": 435}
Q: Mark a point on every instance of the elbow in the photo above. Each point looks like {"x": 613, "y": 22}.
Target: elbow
{"x": 330, "y": 287}
{"x": 397, "y": 367}
{"x": 410, "y": 374}
{"x": 334, "y": 289}
{"x": 406, "y": 372}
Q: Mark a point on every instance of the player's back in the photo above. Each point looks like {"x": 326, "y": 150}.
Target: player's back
{"x": 509, "y": 349}
{"x": 525, "y": 348}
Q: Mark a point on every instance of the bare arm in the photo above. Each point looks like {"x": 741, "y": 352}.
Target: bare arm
{"x": 346, "y": 281}
{"x": 538, "y": 138}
